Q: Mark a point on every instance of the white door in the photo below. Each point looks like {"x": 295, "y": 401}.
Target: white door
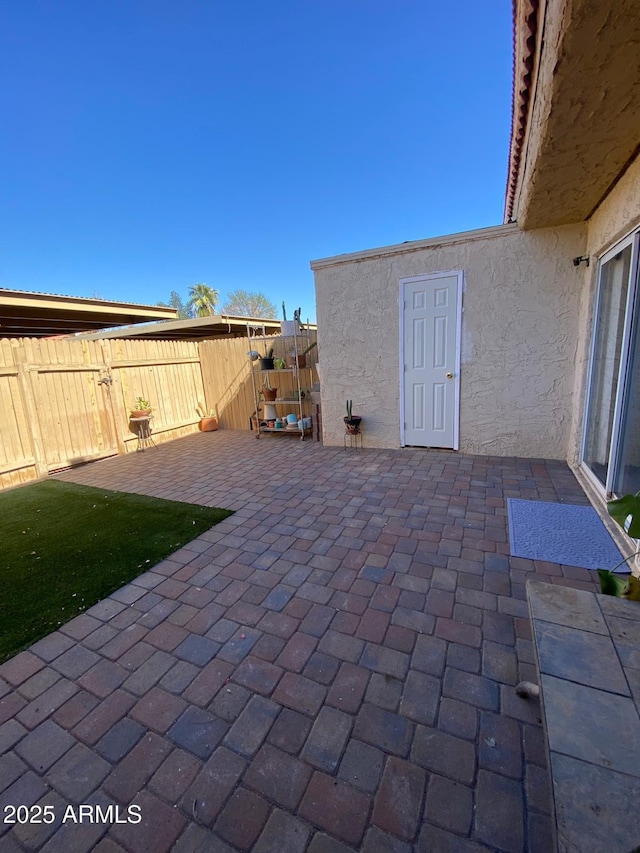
{"x": 430, "y": 333}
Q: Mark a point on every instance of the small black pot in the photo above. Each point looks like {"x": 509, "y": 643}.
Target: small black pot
{"x": 352, "y": 424}
{"x": 266, "y": 364}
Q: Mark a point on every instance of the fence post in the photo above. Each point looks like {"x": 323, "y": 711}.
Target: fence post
{"x": 25, "y": 384}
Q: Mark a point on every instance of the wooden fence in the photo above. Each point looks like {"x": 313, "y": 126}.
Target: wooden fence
{"x": 67, "y": 401}
{"x": 226, "y": 373}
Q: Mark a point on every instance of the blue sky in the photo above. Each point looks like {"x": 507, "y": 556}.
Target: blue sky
{"x": 146, "y": 146}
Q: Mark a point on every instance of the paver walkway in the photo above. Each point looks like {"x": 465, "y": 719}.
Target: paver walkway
{"x": 330, "y": 669}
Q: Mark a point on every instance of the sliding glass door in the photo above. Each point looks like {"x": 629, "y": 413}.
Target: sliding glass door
{"x": 605, "y": 362}
{"x": 627, "y": 475}
{"x": 611, "y": 442}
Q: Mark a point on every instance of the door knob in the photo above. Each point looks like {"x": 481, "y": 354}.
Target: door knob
{"x": 449, "y": 375}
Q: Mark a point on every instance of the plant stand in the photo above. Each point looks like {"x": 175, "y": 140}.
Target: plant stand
{"x": 142, "y": 429}
{"x": 353, "y": 439}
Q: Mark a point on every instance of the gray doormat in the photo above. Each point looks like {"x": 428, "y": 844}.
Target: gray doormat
{"x": 561, "y": 533}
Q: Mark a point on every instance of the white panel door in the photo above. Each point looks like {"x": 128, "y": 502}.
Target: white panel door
{"x": 431, "y": 355}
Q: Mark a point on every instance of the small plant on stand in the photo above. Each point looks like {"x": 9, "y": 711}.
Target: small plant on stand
{"x": 141, "y": 408}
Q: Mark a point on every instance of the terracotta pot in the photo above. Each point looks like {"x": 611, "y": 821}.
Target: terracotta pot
{"x": 269, "y": 394}
{"x": 291, "y": 361}
{"x": 208, "y": 424}
{"x": 139, "y": 413}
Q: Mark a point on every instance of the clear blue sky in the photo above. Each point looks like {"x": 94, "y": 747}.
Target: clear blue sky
{"x": 146, "y": 146}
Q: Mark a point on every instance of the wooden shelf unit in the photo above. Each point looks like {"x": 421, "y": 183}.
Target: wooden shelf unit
{"x": 301, "y": 381}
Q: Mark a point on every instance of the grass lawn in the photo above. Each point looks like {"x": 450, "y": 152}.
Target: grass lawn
{"x": 64, "y": 547}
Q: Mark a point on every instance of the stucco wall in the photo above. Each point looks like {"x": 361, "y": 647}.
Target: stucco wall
{"x": 519, "y": 333}
{"x": 618, "y": 214}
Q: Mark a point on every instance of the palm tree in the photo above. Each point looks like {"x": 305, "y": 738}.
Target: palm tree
{"x": 202, "y": 300}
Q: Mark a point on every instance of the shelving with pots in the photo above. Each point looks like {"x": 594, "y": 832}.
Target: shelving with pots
{"x": 282, "y": 375}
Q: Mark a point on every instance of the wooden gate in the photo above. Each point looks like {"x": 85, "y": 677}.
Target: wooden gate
{"x": 63, "y": 402}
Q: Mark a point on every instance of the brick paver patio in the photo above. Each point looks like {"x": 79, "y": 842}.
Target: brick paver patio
{"x": 330, "y": 669}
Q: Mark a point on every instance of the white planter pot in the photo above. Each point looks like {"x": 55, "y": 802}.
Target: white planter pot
{"x": 288, "y": 327}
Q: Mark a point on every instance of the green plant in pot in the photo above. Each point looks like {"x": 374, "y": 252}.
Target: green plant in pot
{"x": 352, "y": 422}
{"x": 626, "y": 512}
{"x": 141, "y": 408}
{"x": 299, "y": 359}
{"x": 269, "y": 394}
{"x": 266, "y": 362}
{"x": 287, "y": 327}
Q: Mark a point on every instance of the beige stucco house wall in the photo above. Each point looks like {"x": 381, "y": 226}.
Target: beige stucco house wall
{"x": 521, "y": 303}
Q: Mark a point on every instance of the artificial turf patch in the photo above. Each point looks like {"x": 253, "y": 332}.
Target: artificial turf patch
{"x": 64, "y": 547}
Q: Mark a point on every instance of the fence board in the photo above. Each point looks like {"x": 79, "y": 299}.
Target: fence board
{"x": 227, "y": 381}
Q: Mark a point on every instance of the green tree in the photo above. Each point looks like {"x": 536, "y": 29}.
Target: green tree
{"x": 175, "y": 302}
{"x": 202, "y": 300}
{"x": 243, "y": 303}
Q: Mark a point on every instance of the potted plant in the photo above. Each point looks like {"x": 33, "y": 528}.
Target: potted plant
{"x": 287, "y": 327}
{"x": 626, "y": 512}
{"x": 208, "y": 419}
{"x": 266, "y": 362}
{"x": 270, "y": 394}
{"x": 141, "y": 408}
{"x": 300, "y": 359}
{"x": 352, "y": 422}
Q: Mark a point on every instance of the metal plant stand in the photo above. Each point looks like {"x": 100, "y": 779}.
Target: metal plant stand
{"x": 142, "y": 429}
{"x": 354, "y": 438}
